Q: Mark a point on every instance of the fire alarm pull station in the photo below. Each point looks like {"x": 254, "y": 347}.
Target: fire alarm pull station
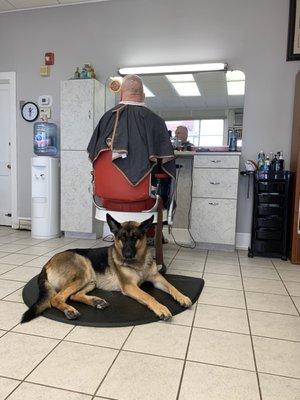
{"x": 49, "y": 58}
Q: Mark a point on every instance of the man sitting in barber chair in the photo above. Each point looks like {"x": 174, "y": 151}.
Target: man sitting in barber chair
{"x": 136, "y": 142}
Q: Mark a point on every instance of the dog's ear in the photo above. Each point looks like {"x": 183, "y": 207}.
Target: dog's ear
{"x": 113, "y": 224}
{"x": 145, "y": 225}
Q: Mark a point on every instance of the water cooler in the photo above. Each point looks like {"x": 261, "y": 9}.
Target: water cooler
{"x": 45, "y": 206}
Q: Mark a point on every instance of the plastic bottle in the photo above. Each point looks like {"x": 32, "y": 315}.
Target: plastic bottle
{"x": 267, "y": 164}
{"x": 281, "y": 161}
{"x": 232, "y": 140}
{"x": 261, "y": 160}
{"x": 45, "y": 139}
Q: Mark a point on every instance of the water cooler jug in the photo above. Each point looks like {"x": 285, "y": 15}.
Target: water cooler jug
{"x": 45, "y": 208}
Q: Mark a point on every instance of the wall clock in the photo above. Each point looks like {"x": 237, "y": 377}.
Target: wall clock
{"x": 30, "y": 111}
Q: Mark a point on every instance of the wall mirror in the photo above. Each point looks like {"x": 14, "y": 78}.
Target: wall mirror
{"x": 208, "y": 103}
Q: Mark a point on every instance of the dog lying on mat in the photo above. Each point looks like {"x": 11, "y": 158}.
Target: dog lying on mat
{"x": 124, "y": 266}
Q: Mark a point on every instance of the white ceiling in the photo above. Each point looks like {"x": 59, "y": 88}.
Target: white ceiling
{"x": 212, "y": 86}
{"x": 17, "y": 5}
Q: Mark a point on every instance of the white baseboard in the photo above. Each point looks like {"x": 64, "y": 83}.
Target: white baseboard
{"x": 182, "y": 236}
{"x": 23, "y": 223}
{"x": 242, "y": 240}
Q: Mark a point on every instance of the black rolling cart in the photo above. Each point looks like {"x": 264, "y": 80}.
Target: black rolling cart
{"x": 270, "y": 223}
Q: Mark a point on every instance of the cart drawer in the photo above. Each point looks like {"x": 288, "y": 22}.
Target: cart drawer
{"x": 270, "y": 222}
{"x": 269, "y": 209}
{"x": 270, "y": 198}
{"x": 267, "y": 246}
{"x": 268, "y": 234}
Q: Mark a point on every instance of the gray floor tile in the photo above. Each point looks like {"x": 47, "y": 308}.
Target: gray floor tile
{"x": 296, "y": 300}
{"x": 21, "y": 274}
{"x": 44, "y": 327}
{"x": 74, "y": 366}
{"x": 7, "y": 287}
{"x": 34, "y": 250}
{"x": 107, "y": 337}
{"x": 194, "y": 274}
{"x": 264, "y": 285}
{"x": 221, "y": 348}
{"x": 270, "y": 302}
{"x": 275, "y": 325}
{"x": 6, "y": 267}
{"x": 19, "y": 354}
{"x": 279, "y": 388}
{"x": 209, "y": 382}
{"x": 7, "y": 386}
{"x": 159, "y": 339}
{"x": 277, "y": 357}
{"x": 17, "y": 259}
{"x": 291, "y": 276}
{"x": 187, "y": 265}
{"x": 222, "y": 297}
{"x": 30, "y": 391}
{"x": 15, "y": 296}
{"x": 260, "y": 272}
{"x": 223, "y": 281}
{"x": 221, "y": 318}
{"x": 293, "y": 288}
{"x": 10, "y": 314}
{"x": 222, "y": 269}
{"x": 137, "y": 376}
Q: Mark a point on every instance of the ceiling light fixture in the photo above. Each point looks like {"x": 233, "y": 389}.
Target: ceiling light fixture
{"x": 186, "y": 88}
{"x": 148, "y": 92}
{"x": 173, "y": 69}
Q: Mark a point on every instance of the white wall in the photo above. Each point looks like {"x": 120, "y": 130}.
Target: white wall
{"x": 249, "y": 35}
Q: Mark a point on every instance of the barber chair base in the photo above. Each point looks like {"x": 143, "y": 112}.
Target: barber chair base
{"x": 122, "y": 311}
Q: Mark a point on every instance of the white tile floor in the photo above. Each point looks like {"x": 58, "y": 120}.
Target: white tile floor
{"x": 241, "y": 341}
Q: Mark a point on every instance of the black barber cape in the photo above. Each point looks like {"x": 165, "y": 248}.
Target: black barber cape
{"x": 138, "y": 133}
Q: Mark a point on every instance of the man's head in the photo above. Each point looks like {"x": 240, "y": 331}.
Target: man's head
{"x": 181, "y": 133}
{"x": 132, "y": 89}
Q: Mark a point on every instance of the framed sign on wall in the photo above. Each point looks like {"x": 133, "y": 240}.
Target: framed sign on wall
{"x": 293, "y": 47}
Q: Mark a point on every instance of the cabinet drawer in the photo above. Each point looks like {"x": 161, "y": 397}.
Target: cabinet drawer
{"x": 218, "y": 183}
{"x": 213, "y": 221}
{"x": 215, "y": 161}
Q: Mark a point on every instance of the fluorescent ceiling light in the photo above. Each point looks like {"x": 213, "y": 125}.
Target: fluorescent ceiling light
{"x": 148, "y": 92}
{"x": 235, "y": 76}
{"x": 181, "y": 78}
{"x": 186, "y": 88}
{"x": 173, "y": 69}
{"x": 236, "y": 88}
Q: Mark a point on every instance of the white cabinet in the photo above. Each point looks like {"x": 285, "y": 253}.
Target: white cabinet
{"x": 214, "y": 203}
{"x": 82, "y": 105}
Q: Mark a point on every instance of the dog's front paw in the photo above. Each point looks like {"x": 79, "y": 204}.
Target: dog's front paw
{"x": 185, "y": 301}
{"x": 163, "y": 312}
{"x": 72, "y": 314}
{"x": 100, "y": 303}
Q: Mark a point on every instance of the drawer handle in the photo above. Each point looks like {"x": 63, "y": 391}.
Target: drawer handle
{"x": 213, "y": 204}
{"x": 215, "y": 161}
{"x": 214, "y": 183}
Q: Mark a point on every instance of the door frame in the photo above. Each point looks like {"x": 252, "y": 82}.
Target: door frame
{"x": 10, "y": 77}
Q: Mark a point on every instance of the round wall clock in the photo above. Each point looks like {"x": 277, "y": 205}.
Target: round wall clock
{"x": 30, "y": 111}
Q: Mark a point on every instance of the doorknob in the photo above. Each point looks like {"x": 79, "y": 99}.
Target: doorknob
{"x": 8, "y": 166}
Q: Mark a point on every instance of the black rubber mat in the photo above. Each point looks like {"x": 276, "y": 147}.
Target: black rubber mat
{"x": 122, "y": 310}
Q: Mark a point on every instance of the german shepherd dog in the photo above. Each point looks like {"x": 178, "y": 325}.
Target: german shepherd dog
{"x": 124, "y": 266}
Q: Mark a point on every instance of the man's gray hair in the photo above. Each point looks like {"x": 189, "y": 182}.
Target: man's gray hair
{"x": 133, "y": 84}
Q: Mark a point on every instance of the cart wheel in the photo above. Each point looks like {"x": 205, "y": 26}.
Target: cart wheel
{"x": 284, "y": 258}
{"x": 163, "y": 269}
{"x": 250, "y": 253}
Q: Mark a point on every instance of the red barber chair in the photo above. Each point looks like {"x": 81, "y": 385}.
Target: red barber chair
{"x": 113, "y": 194}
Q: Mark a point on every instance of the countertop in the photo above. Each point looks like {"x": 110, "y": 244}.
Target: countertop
{"x": 206, "y": 153}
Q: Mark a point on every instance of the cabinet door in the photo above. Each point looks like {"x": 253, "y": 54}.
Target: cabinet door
{"x": 216, "y": 161}
{"x": 76, "y": 199}
{"x": 77, "y": 109}
{"x": 217, "y": 183}
{"x": 213, "y": 220}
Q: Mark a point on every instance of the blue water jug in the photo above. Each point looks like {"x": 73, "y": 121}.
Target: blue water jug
{"x": 45, "y": 139}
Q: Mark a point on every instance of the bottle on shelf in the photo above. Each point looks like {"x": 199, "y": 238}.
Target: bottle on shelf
{"x": 267, "y": 164}
{"x": 261, "y": 160}
{"x": 280, "y": 161}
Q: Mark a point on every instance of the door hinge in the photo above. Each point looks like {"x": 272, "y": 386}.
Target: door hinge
{"x": 8, "y": 215}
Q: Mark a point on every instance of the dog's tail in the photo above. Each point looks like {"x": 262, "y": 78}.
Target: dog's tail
{"x": 43, "y": 301}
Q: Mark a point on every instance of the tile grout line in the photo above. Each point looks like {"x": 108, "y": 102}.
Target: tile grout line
{"x": 189, "y": 340}
{"x": 251, "y": 338}
{"x": 39, "y": 363}
{"x": 291, "y": 298}
{"x": 107, "y": 372}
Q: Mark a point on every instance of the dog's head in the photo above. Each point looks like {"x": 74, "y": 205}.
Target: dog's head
{"x": 130, "y": 237}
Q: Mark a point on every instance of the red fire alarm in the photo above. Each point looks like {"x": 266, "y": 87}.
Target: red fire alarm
{"x": 49, "y": 58}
